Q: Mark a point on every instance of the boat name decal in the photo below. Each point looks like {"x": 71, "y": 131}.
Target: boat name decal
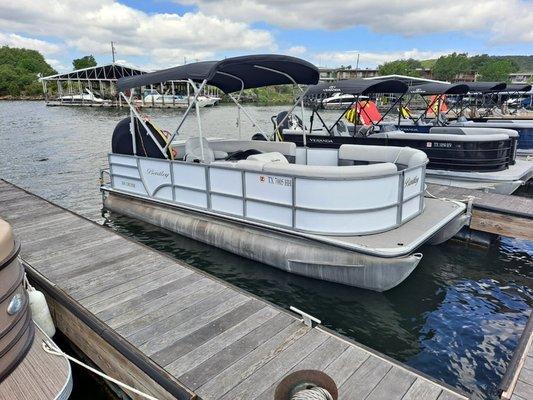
{"x": 410, "y": 181}
{"x": 317, "y": 140}
{"x": 164, "y": 174}
{"x": 275, "y": 180}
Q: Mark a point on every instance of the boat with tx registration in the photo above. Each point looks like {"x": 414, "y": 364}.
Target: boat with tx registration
{"x": 458, "y": 113}
{"x": 474, "y": 157}
{"x": 355, "y": 215}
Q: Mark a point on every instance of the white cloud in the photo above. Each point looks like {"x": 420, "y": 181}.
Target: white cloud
{"x": 89, "y": 27}
{"x": 296, "y": 50}
{"x": 58, "y": 65}
{"x": 14, "y": 40}
{"x": 508, "y": 22}
{"x": 370, "y": 59}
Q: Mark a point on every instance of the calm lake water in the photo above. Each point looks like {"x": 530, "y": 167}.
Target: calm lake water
{"x": 458, "y": 317}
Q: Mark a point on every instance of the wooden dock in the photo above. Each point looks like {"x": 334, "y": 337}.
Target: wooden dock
{"x": 517, "y": 383}
{"x": 498, "y": 214}
{"x": 175, "y": 332}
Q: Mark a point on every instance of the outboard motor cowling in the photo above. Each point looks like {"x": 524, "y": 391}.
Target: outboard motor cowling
{"x": 121, "y": 142}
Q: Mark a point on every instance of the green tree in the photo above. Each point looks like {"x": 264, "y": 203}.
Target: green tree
{"x": 497, "y": 70}
{"x": 19, "y": 70}
{"x": 449, "y": 66}
{"x": 84, "y": 62}
{"x": 400, "y": 67}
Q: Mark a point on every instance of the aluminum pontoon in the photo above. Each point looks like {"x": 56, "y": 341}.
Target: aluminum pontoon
{"x": 355, "y": 215}
{"x": 475, "y": 157}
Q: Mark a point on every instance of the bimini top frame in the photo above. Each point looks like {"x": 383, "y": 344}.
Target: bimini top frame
{"x": 229, "y": 75}
{"x": 234, "y": 74}
{"x": 357, "y": 88}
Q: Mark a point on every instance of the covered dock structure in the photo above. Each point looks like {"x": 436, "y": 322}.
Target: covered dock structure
{"x": 97, "y": 87}
{"x": 94, "y": 86}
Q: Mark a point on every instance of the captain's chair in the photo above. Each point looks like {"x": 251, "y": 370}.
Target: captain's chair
{"x": 194, "y": 153}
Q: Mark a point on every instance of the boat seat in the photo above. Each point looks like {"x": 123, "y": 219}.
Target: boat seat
{"x": 195, "y": 153}
{"x": 331, "y": 171}
{"x": 274, "y": 156}
{"x": 474, "y": 130}
{"x": 404, "y": 155}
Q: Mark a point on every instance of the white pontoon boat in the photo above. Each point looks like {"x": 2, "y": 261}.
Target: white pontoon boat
{"x": 354, "y": 215}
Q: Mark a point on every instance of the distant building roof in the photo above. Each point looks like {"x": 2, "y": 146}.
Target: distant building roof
{"x": 109, "y": 72}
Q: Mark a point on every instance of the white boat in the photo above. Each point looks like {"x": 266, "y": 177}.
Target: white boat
{"x": 355, "y": 215}
{"x": 153, "y": 97}
{"x": 340, "y": 101}
{"x": 89, "y": 97}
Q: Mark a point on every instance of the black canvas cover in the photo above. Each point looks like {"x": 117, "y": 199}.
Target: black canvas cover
{"x": 485, "y": 87}
{"x": 434, "y": 88}
{"x": 358, "y": 87}
{"x": 232, "y": 74}
{"x": 518, "y": 87}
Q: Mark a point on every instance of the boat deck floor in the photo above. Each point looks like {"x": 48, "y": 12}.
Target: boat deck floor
{"x": 40, "y": 376}
{"x": 406, "y": 238}
{"x": 211, "y": 338}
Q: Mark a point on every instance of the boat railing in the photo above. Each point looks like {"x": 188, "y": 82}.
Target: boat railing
{"x": 353, "y": 205}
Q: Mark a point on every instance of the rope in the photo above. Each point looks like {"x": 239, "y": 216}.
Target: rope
{"x": 315, "y": 393}
{"x": 51, "y": 348}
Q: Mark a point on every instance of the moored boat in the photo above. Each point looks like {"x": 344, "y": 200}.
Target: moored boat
{"x": 466, "y": 156}
{"x": 355, "y": 215}
{"x": 27, "y": 371}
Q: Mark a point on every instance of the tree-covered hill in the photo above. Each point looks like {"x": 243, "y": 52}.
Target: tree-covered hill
{"x": 19, "y": 69}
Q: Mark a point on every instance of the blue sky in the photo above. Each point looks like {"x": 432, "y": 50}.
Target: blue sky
{"x": 159, "y": 33}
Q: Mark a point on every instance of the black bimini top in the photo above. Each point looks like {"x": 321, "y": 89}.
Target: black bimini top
{"x": 358, "y": 87}
{"x": 233, "y": 74}
{"x": 518, "y": 87}
{"x": 433, "y": 88}
{"x": 485, "y": 87}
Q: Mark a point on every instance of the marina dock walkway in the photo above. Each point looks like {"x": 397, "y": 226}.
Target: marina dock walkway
{"x": 493, "y": 213}
{"x": 517, "y": 383}
{"x": 176, "y": 332}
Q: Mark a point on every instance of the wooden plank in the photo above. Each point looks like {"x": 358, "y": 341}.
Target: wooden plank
{"x": 204, "y": 349}
{"x": 125, "y": 290}
{"x": 229, "y": 355}
{"x": 199, "y": 342}
{"x": 422, "y": 390}
{"x": 500, "y": 224}
{"x": 140, "y": 320}
{"x": 393, "y": 386}
{"x": 231, "y": 375}
{"x": 345, "y": 365}
{"x": 278, "y": 366}
{"x": 177, "y": 280}
{"x": 319, "y": 359}
{"x": 187, "y": 321}
{"x": 365, "y": 379}
{"x": 447, "y": 395}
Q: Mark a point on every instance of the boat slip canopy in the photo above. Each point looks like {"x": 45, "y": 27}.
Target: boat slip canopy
{"x": 434, "y": 88}
{"x": 485, "y": 87}
{"x": 359, "y": 87}
{"x": 233, "y": 74}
